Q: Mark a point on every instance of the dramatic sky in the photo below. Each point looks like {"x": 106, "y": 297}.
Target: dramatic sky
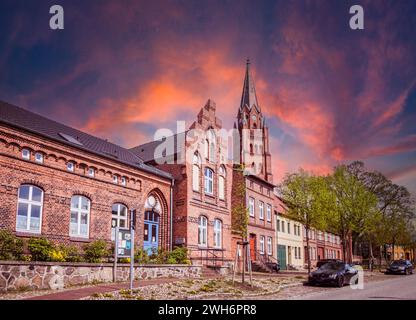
{"x": 122, "y": 69}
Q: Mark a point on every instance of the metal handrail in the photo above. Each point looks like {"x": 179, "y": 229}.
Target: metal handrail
{"x": 265, "y": 259}
{"x": 209, "y": 255}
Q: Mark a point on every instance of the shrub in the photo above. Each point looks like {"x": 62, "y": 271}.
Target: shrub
{"x": 141, "y": 256}
{"x": 41, "y": 249}
{"x": 11, "y": 247}
{"x": 179, "y": 255}
{"x": 71, "y": 253}
{"x": 96, "y": 251}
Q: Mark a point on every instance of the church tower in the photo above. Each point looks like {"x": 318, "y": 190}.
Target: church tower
{"x": 253, "y": 131}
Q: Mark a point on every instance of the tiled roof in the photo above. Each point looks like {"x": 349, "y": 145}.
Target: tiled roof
{"x": 147, "y": 151}
{"x": 23, "y": 119}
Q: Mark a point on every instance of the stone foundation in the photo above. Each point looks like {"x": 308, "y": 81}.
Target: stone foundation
{"x": 17, "y": 275}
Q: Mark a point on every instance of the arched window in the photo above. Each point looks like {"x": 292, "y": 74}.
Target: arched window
{"x": 202, "y": 231}
{"x": 217, "y": 233}
{"x": 196, "y": 164}
{"x": 80, "y": 216}
{"x": 29, "y": 209}
{"x": 118, "y": 218}
{"x": 221, "y": 183}
{"x": 209, "y": 181}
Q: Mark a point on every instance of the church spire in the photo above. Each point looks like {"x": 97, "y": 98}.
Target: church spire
{"x": 249, "y": 97}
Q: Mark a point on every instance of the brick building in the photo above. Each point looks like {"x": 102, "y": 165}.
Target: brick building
{"x": 203, "y": 181}
{"x": 253, "y": 156}
{"x": 72, "y": 187}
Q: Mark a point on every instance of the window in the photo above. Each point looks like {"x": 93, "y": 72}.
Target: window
{"x": 261, "y": 208}
{"x": 283, "y": 226}
{"x": 202, "y": 231}
{"x": 217, "y": 233}
{"x": 39, "y": 157}
{"x": 80, "y": 212}
{"x": 209, "y": 181}
{"x": 123, "y": 181}
{"x": 269, "y": 246}
{"x": 288, "y": 227}
{"x": 251, "y": 207}
{"x": 269, "y": 212}
{"x": 299, "y": 255}
{"x": 221, "y": 183}
{"x": 278, "y": 224}
{"x": 26, "y": 154}
{"x": 29, "y": 209}
{"x": 261, "y": 244}
{"x": 118, "y": 218}
{"x": 196, "y": 163}
{"x": 70, "y": 166}
{"x": 115, "y": 179}
{"x": 91, "y": 172}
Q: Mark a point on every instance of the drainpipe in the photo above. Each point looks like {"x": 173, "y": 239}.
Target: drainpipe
{"x": 171, "y": 214}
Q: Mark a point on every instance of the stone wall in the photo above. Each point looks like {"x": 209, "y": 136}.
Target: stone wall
{"x": 16, "y": 275}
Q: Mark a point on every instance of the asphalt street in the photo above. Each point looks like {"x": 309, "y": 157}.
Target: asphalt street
{"x": 400, "y": 287}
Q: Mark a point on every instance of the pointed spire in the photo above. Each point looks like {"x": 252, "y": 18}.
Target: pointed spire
{"x": 249, "y": 97}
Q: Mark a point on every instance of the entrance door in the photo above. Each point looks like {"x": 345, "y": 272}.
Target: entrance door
{"x": 151, "y": 232}
{"x": 253, "y": 247}
{"x": 320, "y": 253}
{"x": 281, "y": 254}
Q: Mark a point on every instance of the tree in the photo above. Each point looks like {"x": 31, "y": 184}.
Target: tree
{"x": 354, "y": 207}
{"x": 305, "y": 197}
{"x": 394, "y": 203}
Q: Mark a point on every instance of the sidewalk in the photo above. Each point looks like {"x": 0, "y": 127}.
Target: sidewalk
{"x": 80, "y": 293}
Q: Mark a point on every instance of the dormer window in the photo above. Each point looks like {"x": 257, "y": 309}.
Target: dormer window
{"x": 26, "y": 154}
{"x": 70, "y": 166}
{"x": 91, "y": 172}
{"x": 39, "y": 157}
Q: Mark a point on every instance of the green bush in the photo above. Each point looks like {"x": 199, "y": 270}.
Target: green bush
{"x": 96, "y": 251}
{"x": 42, "y": 249}
{"x": 141, "y": 256}
{"x": 70, "y": 253}
{"x": 11, "y": 247}
{"x": 179, "y": 255}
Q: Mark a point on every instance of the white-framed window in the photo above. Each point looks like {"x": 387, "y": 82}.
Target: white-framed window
{"x": 251, "y": 206}
{"x": 221, "y": 183}
{"x": 123, "y": 181}
{"x": 115, "y": 179}
{"x": 288, "y": 227}
{"x": 70, "y": 166}
{"x": 196, "y": 172}
{"x": 91, "y": 172}
{"x": 269, "y": 246}
{"x": 261, "y": 210}
{"x": 39, "y": 157}
{"x": 283, "y": 226}
{"x": 209, "y": 181}
{"x": 269, "y": 212}
{"x": 29, "y": 209}
{"x": 278, "y": 225}
{"x": 217, "y": 233}
{"x": 26, "y": 154}
{"x": 80, "y": 216}
{"x": 202, "y": 231}
{"x": 119, "y": 214}
{"x": 261, "y": 244}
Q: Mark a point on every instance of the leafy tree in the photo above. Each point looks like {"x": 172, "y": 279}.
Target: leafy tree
{"x": 354, "y": 207}
{"x": 306, "y": 198}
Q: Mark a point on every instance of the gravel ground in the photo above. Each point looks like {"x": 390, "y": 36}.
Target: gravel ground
{"x": 222, "y": 288}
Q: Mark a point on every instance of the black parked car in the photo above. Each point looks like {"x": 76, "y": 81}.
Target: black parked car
{"x": 400, "y": 266}
{"x": 333, "y": 273}
{"x": 320, "y": 263}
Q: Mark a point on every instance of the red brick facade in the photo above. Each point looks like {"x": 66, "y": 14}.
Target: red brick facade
{"x": 189, "y": 204}
{"x": 59, "y": 185}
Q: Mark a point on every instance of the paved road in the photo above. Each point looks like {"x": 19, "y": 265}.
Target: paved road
{"x": 398, "y": 288}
